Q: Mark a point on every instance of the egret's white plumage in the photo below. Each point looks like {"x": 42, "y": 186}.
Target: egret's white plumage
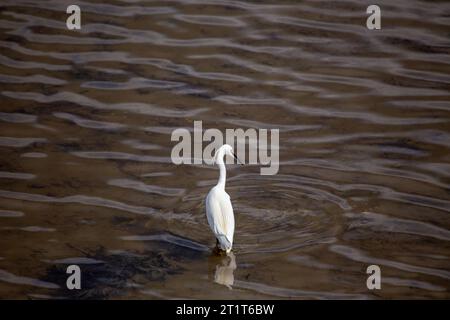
{"x": 219, "y": 210}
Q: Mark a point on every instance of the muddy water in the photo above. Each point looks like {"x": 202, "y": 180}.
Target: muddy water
{"x": 86, "y": 176}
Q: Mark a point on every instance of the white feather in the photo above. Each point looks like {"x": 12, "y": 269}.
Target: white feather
{"x": 219, "y": 210}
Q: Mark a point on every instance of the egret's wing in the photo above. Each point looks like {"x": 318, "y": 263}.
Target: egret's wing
{"x": 228, "y": 215}
{"x": 219, "y": 212}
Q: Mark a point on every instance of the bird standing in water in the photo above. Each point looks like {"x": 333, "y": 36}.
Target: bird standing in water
{"x": 219, "y": 210}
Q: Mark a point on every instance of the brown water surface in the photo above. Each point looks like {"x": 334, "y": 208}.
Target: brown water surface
{"x": 86, "y": 176}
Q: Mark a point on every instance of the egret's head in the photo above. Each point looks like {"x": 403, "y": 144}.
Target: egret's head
{"x": 226, "y": 149}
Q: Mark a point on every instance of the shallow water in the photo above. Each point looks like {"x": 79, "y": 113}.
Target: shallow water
{"x": 86, "y": 176}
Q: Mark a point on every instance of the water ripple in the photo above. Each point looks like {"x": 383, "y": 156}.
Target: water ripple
{"x": 6, "y": 276}
{"x": 364, "y": 146}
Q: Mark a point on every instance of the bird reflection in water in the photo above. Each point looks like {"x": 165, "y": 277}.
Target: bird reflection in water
{"x": 222, "y": 267}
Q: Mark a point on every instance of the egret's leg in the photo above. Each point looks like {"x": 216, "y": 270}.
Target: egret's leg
{"x": 217, "y": 250}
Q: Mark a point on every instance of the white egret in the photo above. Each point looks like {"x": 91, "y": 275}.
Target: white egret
{"x": 219, "y": 210}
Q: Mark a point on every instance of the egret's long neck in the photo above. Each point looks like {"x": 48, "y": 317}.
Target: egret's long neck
{"x": 223, "y": 171}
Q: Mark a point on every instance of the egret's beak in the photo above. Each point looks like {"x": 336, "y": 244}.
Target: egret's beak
{"x": 237, "y": 159}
